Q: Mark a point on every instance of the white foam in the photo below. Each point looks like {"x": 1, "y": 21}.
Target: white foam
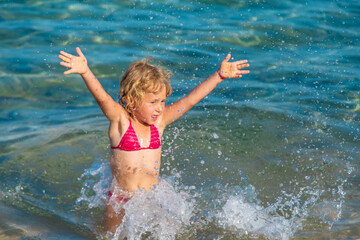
{"x": 161, "y": 212}
{"x": 96, "y": 185}
{"x": 251, "y": 219}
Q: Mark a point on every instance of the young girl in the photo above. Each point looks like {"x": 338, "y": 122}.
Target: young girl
{"x": 138, "y": 121}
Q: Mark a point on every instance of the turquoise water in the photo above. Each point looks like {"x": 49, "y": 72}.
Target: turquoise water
{"x": 274, "y": 155}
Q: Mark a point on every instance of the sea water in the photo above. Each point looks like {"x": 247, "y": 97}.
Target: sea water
{"x": 273, "y": 155}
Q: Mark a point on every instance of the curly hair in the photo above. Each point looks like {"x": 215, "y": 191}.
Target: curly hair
{"x": 140, "y": 78}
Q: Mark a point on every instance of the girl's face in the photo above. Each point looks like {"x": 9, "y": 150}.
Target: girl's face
{"x": 152, "y": 106}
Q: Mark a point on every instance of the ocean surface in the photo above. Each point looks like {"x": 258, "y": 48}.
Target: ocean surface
{"x": 273, "y": 155}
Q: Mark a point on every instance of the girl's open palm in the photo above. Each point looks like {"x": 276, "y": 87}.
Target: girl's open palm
{"x": 76, "y": 64}
{"x": 233, "y": 69}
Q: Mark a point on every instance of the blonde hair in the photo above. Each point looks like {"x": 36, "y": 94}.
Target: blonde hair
{"x": 140, "y": 78}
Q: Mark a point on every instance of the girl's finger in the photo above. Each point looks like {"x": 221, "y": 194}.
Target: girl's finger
{"x": 65, "y": 59}
{"x": 68, "y": 72}
{"x": 243, "y": 66}
{"x": 241, "y": 62}
{"x": 227, "y": 58}
{"x": 66, "y": 54}
{"x": 65, "y": 64}
{"x": 244, "y": 72}
{"x": 78, "y": 50}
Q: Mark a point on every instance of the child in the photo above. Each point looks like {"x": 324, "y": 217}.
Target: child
{"x": 138, "y": 121}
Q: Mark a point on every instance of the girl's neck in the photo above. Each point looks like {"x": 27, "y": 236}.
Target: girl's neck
{"x": 139, "y": 123}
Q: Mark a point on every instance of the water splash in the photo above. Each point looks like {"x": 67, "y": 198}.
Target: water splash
{"x": 161, "y": 213}
{"x": 244, "y": 214}
{"x": 96, "y": 185}
{"x": 251, "y": 219}
{"x": 169, "y": 210}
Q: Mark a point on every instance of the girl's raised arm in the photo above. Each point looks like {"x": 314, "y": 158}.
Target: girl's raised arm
{"x": 78, "y": 64}
{"x": 226, "y": 70}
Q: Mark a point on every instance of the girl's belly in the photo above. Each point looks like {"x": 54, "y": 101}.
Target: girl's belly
{"x": 138, "y": 181}
{"x": 136, "y": 169}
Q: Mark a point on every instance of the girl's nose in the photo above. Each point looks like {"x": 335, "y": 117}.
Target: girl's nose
{"x": 160, "y": 107}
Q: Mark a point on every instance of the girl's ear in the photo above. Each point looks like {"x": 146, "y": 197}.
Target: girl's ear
{"x": 125, "y": 98}
{"x": 131, "y": 106}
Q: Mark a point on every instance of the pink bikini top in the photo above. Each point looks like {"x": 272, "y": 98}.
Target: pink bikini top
{"x": 130, "y": 142}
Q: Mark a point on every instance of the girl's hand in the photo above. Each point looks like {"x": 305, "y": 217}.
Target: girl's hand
{"x": 76, "y": 64}
{"x": 232, "y": 69}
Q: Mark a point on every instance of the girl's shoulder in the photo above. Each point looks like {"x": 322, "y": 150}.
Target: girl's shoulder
{"x": 119, "y": 115}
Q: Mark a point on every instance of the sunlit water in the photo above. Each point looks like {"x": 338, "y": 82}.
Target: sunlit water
{"x": 274, "y": 155}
